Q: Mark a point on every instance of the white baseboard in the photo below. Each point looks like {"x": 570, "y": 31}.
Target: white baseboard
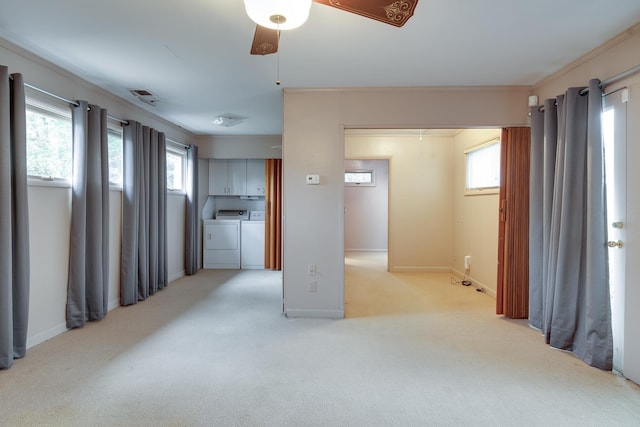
{"x": 46, "y": 335}
{"x": 405, "y": 269}
{"x": 314, "y": 314}
{"x": 114, "y": 303}
{"x": 476, "y": 283}
{"x": 177, "y": 276}
{"x": 62, "y": 327}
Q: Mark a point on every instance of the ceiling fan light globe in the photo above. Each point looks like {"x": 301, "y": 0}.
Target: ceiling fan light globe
{"x": 295, "y": 13}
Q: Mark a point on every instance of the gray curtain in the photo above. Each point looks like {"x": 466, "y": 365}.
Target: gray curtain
{"x": 88, "y": 283}
{"x": 191, "y": 226}
{"x": 143, "y": 268}
{"x": 569, "y": 288}
{"x": 14, "y": 220}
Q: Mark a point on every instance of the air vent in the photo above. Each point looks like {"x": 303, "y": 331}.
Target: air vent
{"x": 145, "y": 96}
{"x": 227, "y": 120}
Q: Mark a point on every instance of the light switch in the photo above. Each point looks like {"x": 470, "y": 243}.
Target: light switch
{"x": 313, "y": 179}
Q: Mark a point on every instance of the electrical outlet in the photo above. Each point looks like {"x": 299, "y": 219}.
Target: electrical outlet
{"x": 467, "y": 262}
{"x": 313, "y": 286}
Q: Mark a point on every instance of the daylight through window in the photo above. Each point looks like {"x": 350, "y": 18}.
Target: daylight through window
{"x": 176, "y": 168}
{"x": 483, "y": 168}
{"x": 49, "y": 144}
{"x": 359, "y": 178}
{"x": 115, "y": 156}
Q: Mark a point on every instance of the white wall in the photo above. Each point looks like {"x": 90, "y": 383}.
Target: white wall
{"x": 203, "y": 195}
{"x": 240, "y": 147}
{"x": 475, "y": 218}
{"x": 50, "y": 224}
{"x": 176, "y": 210}
{"x": 617, "y": 56}
{"x": 313, "y": 142}
{"x": 49, "y": 228}
{"x": 366, "y": 208}
{"x": 50, "y": 206}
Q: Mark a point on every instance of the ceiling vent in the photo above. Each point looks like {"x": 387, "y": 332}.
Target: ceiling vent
{"x": 227, "y": 120}
{"x": 145, "y": 96}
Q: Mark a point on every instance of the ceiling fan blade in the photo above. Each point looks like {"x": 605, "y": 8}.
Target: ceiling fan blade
{"x": 393, "y": 12}
{"x": 265, "y": 41}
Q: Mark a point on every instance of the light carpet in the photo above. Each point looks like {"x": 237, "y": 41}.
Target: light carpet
{"x": 214, "y": 350}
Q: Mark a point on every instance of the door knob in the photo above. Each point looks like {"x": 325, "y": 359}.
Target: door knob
{"x": 617, "y": 244}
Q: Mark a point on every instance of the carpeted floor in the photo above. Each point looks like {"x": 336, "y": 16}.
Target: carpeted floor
{"x": 214, "y": 350}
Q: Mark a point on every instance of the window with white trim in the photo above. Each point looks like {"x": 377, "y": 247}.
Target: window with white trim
{"x": 483, "y": 168}
{"x": 176, "y": 167}
{"x": 114, "y": 138}
{"x": 49, "y": 143}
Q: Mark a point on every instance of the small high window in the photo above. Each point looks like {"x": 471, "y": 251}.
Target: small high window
{"x": 114, "y": 136}
{"x": 176, "y": 167}
{"x": 483, "y": 168}
{"x": 359, "y": 178}
{"x": 49, "y": 143}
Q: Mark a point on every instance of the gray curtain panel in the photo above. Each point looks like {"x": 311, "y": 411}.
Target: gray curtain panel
{"x": 570, "y": 289}
{"x": 191, "y": 226}
{"x": 143, "y": 268}
{"x": 14, "y": 220}
{"x": 88, "y": 283}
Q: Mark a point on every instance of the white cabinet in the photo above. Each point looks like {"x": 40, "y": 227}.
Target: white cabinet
{"x": 227, "y": 177}
{"x": 236, "y": 177}
{"x": 255, "y": 177}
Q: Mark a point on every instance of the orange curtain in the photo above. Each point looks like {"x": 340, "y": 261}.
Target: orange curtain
{"x": 273, "y": 215}
{"x": 513, "y": 237}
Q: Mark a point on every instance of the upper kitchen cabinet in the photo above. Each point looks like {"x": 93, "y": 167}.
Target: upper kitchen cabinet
{"x": 227, "y": 177}
{"x": 255, "y": 177}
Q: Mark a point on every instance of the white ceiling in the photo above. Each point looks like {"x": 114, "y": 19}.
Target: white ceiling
{"x": 194, "y": 54}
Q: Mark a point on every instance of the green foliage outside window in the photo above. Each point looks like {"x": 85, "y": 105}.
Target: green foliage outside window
{"x": 49, "y": 144}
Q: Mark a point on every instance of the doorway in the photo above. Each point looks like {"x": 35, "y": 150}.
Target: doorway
{"x": 366, "y": 206}
{"x": 614, "y": 125}
{"x": 432, "y": 225}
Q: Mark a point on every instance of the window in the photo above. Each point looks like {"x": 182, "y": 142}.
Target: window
{"x": 359, "y": 177}
{"x": 176, "y": 167}
{"x": 483, "y": 168}
{"x": 114, "y": 138}
{"x": 49, "y": 143}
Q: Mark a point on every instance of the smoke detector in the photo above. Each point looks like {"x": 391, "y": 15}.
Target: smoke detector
{"x": 145, "y": 96}
{"x": 227, "y": 120}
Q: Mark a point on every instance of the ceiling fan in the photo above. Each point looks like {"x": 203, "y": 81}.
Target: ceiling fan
{"x": 273, "y": 16}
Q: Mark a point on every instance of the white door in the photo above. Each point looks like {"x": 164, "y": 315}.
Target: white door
{"x": 614, "y": 128}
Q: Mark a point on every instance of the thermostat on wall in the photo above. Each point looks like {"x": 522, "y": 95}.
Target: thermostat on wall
{"x": 313, "y": 179}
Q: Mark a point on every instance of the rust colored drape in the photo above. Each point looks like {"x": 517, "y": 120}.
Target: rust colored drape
{"x": 513, "y": 237}
{"x": 273, "y": 215}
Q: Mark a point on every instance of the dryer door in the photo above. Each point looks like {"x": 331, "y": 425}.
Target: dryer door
{"x": 223, "y": 236}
